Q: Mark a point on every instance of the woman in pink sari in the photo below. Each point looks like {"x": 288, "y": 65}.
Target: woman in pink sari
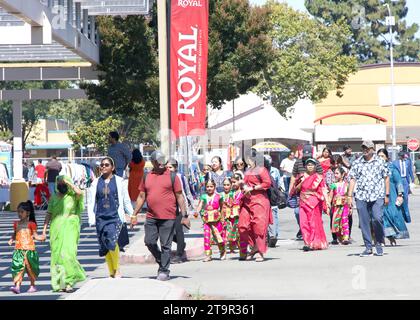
{"x": 255, "y": 215}
{"x": 313, "y": 200}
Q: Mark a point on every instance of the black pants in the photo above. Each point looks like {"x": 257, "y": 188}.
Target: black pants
{"x": 179, "y": 236}
{"x": 155, "y": 229}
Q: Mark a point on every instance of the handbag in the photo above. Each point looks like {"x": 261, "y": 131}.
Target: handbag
{"x": 293, "y": 202}
{"x": 123, "y": 238}
{"x": 282, "y": 199}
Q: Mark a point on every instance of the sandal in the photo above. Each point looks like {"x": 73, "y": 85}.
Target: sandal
{"x": 15, "y": 290}
{"x": 32, "y": 289}
{"x": 207, "y": 259}
{"x": 251, "y": 255}
{"x": 223, "y": 256}
{"x": 260, "y": 258}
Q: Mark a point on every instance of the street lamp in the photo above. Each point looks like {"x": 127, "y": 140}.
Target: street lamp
{"x": 390, "y": 21}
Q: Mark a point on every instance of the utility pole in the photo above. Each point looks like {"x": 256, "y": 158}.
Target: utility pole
{"x": 390, "y": 21}
{"x": 163, "y": 78}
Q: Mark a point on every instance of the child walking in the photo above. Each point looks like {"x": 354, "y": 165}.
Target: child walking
{"x": 209, "y": 207}
{"x": 340, "y": 209}
{"x": 232, "y": 216}
{"x": 25, "y": 256}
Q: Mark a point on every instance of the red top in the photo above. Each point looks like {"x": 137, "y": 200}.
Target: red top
{"x": 160, "y": 195}
{"x": 40, "y": 169}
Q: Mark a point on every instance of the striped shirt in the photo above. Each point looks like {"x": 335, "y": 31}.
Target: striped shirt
{"x": 300, "y": 168}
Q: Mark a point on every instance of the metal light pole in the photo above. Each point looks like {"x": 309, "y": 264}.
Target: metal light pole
{"x": 390, "y": 21}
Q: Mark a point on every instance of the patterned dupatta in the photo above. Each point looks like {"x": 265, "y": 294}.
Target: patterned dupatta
{"x": 212, "y": 208}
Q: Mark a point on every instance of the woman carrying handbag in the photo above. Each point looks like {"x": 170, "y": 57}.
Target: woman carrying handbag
{"x": 108, "y": 202}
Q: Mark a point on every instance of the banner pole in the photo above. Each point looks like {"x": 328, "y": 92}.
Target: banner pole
{"x": 163, "y": 77}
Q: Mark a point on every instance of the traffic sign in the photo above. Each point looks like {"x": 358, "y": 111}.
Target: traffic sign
{"x": 413, "y": 144}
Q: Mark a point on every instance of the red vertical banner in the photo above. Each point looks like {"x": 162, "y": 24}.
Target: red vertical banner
{"x": 188, "y": 66}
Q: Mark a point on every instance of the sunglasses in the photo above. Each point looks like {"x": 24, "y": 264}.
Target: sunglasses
{"x": 105, "y": 165}
{"x": 240, "y": 164}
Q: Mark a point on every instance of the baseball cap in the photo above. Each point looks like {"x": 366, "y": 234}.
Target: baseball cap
{"x": 158, "y": 156}
{"x": 311, "y": 160}
{"x": 368, "y": 144}
{"x": 307, "y": 151}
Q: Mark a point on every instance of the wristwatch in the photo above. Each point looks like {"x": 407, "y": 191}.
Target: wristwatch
{"x": 185, "y": 215}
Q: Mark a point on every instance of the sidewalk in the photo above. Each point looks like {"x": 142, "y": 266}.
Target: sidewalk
{"x": 137, "y": 252}
{"x": 128, "y": 289}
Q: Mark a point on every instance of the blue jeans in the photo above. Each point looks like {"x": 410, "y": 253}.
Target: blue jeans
{"x": 296, "y": 212}
{"x": 273, "y": 229}
{"x": 51, "y": 187}
{"x": 371, "y": 213}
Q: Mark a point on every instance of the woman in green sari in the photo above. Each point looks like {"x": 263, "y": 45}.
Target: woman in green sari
{"x": 64, "y": 210}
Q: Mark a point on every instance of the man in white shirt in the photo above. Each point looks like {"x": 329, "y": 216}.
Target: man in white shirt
{"x": 286, "y": 167}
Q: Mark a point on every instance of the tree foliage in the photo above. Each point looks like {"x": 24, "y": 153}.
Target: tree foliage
{"x": 128, "y": 81}
{"x": 369, "y": 38}
{"x": 95, "y": 133}
{"x": 307, "y": 61}
{"x": 239, "y": 49}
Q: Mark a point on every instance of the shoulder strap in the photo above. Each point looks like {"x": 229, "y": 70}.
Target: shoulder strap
{"x": 173, "y": 176}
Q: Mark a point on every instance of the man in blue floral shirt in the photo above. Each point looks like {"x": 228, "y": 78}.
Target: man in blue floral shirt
{"x": 370, "y": 174}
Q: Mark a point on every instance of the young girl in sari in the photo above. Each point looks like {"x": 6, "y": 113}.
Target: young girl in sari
{"x": 312, "y": 202}
{"x": 209, "y": 206}
{"x": 340, "y": 209}
{"x": 25, "y": 256}
{"x": 232, "y": 221}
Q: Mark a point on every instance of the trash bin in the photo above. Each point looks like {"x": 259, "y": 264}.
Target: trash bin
{"x": 19, "y": 192}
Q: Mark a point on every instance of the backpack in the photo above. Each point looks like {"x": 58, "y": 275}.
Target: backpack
{"x": 273, "y": 193}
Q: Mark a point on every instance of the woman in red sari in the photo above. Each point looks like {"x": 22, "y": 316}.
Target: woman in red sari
{"x": 325, "y": 160}
{"x": 255, "y": 215}
{"x": 313, "y": 200}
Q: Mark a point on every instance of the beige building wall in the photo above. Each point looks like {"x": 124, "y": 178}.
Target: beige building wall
{"x": 361, "y": 95}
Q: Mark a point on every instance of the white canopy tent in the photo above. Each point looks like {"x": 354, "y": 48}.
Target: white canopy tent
{"x": 250, "y": 117}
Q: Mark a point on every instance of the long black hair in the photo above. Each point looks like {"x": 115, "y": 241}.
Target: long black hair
{"x": 329, "y": 151}
{"x": 220, "y": 161}
{"x": 28, "y": 206}
{"x": 137, "y": 157}
{"x": 384, "y": 151}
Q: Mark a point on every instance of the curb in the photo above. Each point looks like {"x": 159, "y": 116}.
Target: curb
{"x": 193, "y": 253}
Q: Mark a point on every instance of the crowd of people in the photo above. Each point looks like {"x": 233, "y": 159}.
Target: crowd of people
{"x": 239, "y": 208}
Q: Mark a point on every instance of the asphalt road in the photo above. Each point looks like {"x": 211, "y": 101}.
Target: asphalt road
{"x": 290, "y": 273}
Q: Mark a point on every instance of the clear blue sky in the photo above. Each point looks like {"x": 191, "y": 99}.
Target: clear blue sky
{"x": 412, "y": 16}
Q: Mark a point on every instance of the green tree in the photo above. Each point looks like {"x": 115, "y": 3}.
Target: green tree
{"x": 369, "y": 38}
{"x": 307, "y": 59}
{"x": 128, "y": 82}
{"x": 95, "y": 133}
{"x": 239, "y": 49}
